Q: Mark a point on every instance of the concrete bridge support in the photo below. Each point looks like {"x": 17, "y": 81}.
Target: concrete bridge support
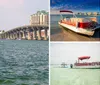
{"x": 34, "y": 34}
{"x": 15, "y": 35}
{"x": 24, "y": 35}
{"x": 19, "y": 35}
{"x": 7, "y": 36}
{"x": 10, "y": 35}
{"x": 39, "y": 34}
{"x": 45, "y": 38}
{"x": 29, "y": 37}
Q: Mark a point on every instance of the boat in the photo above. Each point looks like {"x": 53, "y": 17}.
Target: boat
{"x": 85, "y": 26}
{"x": 85, "y": 65}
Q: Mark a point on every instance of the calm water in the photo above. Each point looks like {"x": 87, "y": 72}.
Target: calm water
{"x": 56, "y": 29}
{"x": 23, "y": 62}
{"x": 65, "y": 76}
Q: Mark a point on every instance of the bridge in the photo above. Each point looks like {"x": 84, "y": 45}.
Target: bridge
{"x": 27, "y": 32}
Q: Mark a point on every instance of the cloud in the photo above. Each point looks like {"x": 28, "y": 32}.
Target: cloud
{"x": 11, "y": 3}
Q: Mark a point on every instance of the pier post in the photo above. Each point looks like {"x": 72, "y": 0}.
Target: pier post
{"x": 4, "y": 35}
{"x": 19, "y": 35}
{"x": 35, "y": 34}
{"x": 23, "y": 33}
{"x": 39, "y": 34}
{"x": 29, "y": 38}
{"x": 45, "y": 38}
{"x": 11, "y": 36}
{"x": 8, "y": 36}
{"x": 15, "y": 35}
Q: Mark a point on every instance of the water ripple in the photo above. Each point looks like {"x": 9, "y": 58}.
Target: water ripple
{"x": 23, "y": 62}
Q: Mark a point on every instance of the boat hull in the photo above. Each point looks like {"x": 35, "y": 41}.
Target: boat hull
{"x": 86, "y": 67}
{"x": 77, "y": 30}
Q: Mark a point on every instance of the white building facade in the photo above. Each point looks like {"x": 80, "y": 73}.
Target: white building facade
{"x": 41, "y": 17}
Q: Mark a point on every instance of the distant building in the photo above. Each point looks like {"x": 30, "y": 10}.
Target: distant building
{"x": 85, "y": 13}
{"x": 95, "y": 13}
{"x": 80, "y": 13}
{"x": 41, "y": 17}
{"x": 89, "y": 13}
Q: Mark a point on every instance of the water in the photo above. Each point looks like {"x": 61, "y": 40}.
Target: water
{"x": 55, "y": 29}
{"x": 23, "y": 62}
{"x": 65, "y": 76}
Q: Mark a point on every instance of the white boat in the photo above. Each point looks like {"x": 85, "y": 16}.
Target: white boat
{"x": 86, "y": 65}
{"x": 84, "y": 26}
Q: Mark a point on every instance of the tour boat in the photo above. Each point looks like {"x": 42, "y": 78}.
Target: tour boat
{"x": 85, "y": 64}
{"x": 84, "y": 26}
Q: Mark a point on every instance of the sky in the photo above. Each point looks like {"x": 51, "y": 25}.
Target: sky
{"x": 76, "y": 5}
{"x": 69, "y": 52}
{"x": 15, "y": 13}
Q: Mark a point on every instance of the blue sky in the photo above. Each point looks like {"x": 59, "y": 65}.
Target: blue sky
{"x": 76, "y": 5}
{"x": 14, "y": 13}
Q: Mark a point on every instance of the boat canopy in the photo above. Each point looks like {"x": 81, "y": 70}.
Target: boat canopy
{"x": 66, "y": 11}
{"x": 84, "y": 57}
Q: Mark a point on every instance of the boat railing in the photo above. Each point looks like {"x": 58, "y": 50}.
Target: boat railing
{"x": 87, "y": 64}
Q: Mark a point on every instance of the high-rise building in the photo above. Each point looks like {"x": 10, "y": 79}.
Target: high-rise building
{"x": 41, "y": 17}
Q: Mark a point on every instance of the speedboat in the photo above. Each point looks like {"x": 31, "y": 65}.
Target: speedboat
{"x": 85, "y": 26}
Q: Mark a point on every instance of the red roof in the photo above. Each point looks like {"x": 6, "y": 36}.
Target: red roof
{"x": 84, "y": 57}
{"x": 66, "y": 11}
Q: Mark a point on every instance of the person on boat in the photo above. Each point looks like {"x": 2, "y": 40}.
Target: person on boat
{"x": 71, "y": 65}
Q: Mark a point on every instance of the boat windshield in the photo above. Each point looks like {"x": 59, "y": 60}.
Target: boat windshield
{"x": 67, "y": 16}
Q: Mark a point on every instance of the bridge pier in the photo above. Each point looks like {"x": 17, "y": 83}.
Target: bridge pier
{"x": 11, "y": 36}
{"x": 35, "y": 34}
{"x": 29, "y": 38}
{"x": 15, "y": 35}
{"x": 39, "y": 34}
{"x": 20, "y": 36}
{"x": 45, "y": 38}
{"x": 6, "y": 35}
{"x": 24, "y": 35}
